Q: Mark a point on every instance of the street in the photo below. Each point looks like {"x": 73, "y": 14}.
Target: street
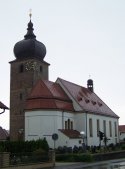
{"x": 111, "y": 164}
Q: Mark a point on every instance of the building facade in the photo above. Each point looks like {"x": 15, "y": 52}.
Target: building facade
{"x": 122, "y": 133}
{"x": 49, "y": 111}
{"x": 40, "y": 108}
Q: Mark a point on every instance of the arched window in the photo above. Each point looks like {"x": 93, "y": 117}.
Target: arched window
{"x": 68, "y": 123}
{"x": 71, "y": 125}
{"x": 90, "y": 128}
{"x": 66, "y": 126}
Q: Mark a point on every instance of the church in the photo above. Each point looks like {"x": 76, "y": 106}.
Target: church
{"x": 40, "y": 108}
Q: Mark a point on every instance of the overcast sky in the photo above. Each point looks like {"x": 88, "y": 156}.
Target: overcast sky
{"x": 82, "y": 37}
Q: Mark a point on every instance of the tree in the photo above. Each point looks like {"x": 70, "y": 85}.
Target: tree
{"x": 101, "y": 135}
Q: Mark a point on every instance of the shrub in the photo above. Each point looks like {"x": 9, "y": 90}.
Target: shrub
{"x": 23, "y": 146}
{"x": 112, "y": 146}
{"x": 63, "y": 157}
{"x": 123, "y": 147}
{"x": 75, "y": 149}
{"x": 40, "y": 155}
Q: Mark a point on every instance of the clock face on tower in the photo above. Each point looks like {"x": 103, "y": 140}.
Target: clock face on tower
{"x": 31, "y": 65}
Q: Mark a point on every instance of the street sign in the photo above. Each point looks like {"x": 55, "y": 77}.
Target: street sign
{"x": 55, "y": 136}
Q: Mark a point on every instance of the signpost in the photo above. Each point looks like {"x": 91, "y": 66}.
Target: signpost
{"x": 54, "y": 137}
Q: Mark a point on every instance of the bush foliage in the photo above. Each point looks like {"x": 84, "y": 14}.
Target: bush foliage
{"x": 23, "y": 146}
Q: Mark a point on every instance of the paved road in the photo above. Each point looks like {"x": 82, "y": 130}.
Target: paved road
{"x": 119, "y": 163}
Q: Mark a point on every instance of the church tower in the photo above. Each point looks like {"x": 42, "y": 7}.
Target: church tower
{"x": 28, "y": 67}
{"x": 90, "y": 85}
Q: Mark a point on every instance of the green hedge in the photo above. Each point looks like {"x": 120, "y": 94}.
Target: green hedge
{"x": 23, "y": 146}
{"x": 74, "y": 157}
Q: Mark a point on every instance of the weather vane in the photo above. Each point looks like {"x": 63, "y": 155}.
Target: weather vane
{"x": 30, "y": 13}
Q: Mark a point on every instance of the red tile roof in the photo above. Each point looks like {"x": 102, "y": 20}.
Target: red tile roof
{"x": 2, "y": 106}
{"x": 86, "y": 99}
{"x": 48, "y": 95}
{"x": 71, "y": 133}
{"x": 122, "y": 128}
{"x": 3, "y": 134}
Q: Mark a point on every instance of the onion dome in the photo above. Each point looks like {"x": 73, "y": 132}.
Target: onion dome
{"x": 29, "y": 47}
{"x": 90, "y": 82}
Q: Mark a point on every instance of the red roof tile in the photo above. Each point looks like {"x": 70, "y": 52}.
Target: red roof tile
{"x": 71, "y": 133}
{"x": 122, "y": 128}
{"x": 3, "y": 134}
{"x": 86, "y": 99}
{"x": 48, "y": 95}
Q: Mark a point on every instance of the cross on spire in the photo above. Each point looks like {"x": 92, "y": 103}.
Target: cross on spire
{"x": 30, "y": 13}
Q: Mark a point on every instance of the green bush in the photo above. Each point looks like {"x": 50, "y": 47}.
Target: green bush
{"x": 123, "y": 147}
{"x": 83, "y": 158}
{"x": 39, "y": 152}
{"x": 23, "y": 146}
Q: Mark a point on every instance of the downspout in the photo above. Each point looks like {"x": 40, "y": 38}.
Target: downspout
{"x": 86, "y": 131}
{"x": 63, "y": 119}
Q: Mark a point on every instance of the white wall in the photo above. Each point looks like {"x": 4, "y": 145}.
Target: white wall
{"x": 66, "y": 141}
{"x": 40, "y": 124}
{"x": 121, "y": 136}
{"x": 95, "y": 140}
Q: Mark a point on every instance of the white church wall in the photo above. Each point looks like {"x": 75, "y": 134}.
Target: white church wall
{"x": 63, "y": 140}
{"x": 80, "y": 122}
{"x": 94, "y": 140}
{"x": 40, "y": 124}
{"x": 66, "y": 116}
{"x": 68, "y": 142}
{"x": 75, "y": 142}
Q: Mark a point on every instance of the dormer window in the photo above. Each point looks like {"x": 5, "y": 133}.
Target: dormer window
{"x": 79, "y": 98}
{"x": 87, "y": 100}
{"x": 93, "y": 102}
{"x": 100, "y": 104}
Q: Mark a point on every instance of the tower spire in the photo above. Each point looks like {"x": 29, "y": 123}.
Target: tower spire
{"x": 30, "y": 34}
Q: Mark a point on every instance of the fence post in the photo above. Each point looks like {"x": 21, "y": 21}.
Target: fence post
{"x": 52, "y": 156}
{"x": 4, "y": 159}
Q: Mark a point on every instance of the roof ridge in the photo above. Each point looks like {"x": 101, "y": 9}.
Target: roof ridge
{"x": 69, "y": 91}
{"x": 71, "y": 83}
